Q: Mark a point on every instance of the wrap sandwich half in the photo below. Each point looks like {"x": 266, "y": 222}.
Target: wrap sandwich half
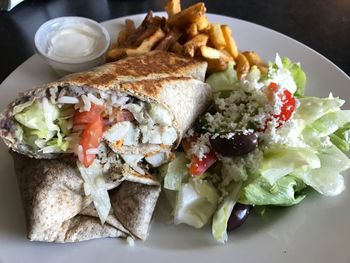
{"x": 57, "y": 209}
{"x": 119, "y": 119}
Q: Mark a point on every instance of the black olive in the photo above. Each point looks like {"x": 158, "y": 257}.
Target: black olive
{"x": 239, "y": 214}
{"x": 240, "y": 143}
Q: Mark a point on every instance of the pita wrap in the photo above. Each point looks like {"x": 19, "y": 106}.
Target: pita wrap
{"x": 57, "y": 209}
{"x": 133, "y": 206}
{"x": 165, "y": 84}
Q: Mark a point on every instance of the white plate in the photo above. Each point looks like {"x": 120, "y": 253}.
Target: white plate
{"x": 317, "y": 230}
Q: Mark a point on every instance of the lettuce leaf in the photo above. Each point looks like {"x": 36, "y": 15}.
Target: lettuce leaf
{"x": 298, "y": 75}
{"x": 286, "y": 191}
{"x": 223, "y": 81}
{"x": 312, "y": 108}
{"x": 175, "y": 172}
{"x": 34, "y": 117}
{"x": 281, "y": 161}
{"x": 196, "y": 202}
{"x": 341, "y": 138}
{"x": 223, "y": 213}
{"x": 327, "y": 179}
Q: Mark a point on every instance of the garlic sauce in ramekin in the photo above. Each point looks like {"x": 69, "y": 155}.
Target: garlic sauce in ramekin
{"x": 72, "y": 44}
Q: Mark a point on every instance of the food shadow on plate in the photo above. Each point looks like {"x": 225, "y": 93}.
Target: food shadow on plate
{"x": 12, "y": 215}
{"x": 183, "y": 237}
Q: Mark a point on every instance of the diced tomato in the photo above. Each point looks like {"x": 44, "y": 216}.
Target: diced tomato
{"x": 90, "y": 139}
{"x": 87, "y": 117}
{"x": 198, "y": 167}
{"x": 286, "y": 99}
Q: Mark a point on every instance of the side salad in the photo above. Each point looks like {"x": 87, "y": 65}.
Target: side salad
{"x": 262, "y": 142}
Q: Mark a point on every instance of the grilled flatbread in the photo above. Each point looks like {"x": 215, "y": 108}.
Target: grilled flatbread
{"x": 172, "y": 83}
{"x": 57, "y": 209}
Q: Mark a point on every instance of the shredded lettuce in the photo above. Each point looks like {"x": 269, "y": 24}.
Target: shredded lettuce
{"x": 42, "y": 125}
{"x": 35, "y": 117}
{"x": 95, "y": 186}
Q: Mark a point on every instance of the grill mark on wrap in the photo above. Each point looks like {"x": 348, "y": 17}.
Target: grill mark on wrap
{"x": 155, "y": 65}
{"x": 151, "y": 87}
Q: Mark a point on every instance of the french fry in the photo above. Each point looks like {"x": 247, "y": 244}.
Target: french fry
{"x": 115, "y": 54}
{"x": 173, "y": 7}
{"x": 192, "y": 46}
{"x": 122, "y": 37}
{"x": 188, "y": 15}
{"x": 209, "y": 52}
{"x": 231, "y": 45}
{"x": 146, "y": 44}
{"x": 226, "y": 54}
{"x": 186, "y": 32}
{"x": 169, "y": 39}
{"x": 177, "y": 48}
{"x": 133, "y": 52}
{"x": 242, "y": 66}
{"x": 202, "y": 23}
{"x": 263, "y": 69}
{"x": 125, "y": 33}
{"x": 192, "y": 30}
{"x": 253, "y": 58}
{"x": 148, "y": 31}
{"x": 212, "y": 53}
{"x": 215, "y": 65}
{"x": 217, "y": 37}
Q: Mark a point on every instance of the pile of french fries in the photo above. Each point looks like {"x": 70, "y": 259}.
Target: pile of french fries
{"x": 186, "y": 32}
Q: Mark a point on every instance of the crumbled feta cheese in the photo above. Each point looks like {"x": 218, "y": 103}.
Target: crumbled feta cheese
{"x": 200, "y": 147}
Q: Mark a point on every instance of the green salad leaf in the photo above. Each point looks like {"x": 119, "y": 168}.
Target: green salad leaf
{"x": 196, "y": 203}
{"x": 223, "y": 81}
{"x": 175, "y": 172}
{"x": 298, "y": 75}
{"x": 223, "y": 213}
{"x": 286, "y": 191}
{"x": 42, "y": 125}
{"x": 341, "y": 137}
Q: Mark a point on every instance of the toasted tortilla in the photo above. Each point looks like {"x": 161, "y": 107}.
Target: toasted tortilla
{"x": 174, "y": 82}
{"x": 57, "y": 210}
{"x": 133, "y": 206}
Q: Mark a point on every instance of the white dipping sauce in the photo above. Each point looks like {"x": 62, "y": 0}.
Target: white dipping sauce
{"x": 74, "y": 42}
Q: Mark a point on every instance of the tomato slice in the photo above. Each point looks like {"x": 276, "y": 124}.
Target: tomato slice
{"x": 90, "y": 139}
{"x": 286, "y": 99}
{"x": 198, "y": 167}
{"x": 87, "y": 117}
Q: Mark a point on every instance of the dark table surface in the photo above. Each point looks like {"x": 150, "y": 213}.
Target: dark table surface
{"x": 322, "y": 25}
